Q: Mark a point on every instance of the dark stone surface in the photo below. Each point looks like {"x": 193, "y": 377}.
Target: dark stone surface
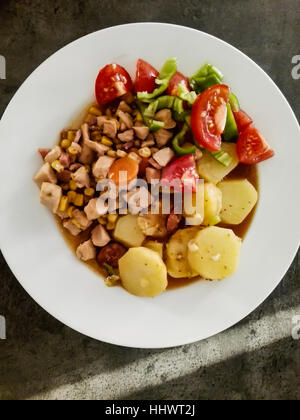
{"x": 41, "y": 354}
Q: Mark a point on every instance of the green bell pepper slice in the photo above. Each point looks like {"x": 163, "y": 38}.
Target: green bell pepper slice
{"x": 163, "y": 80}
{"x": 234, "y": 102}
{"x": 179, "y": 140}
{"x": 207, "y": 76}
{"x": 231, "y": 131}
{"x": 160, "y": 103}
{"x": 186, "y": 95}
{"x": 153, "y": 125}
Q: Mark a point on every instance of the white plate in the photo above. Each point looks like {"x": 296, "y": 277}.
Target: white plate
{"x": 35, "y": 250}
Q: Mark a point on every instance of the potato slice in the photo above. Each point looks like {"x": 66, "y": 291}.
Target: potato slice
{"x": 239, "y": 199}
{"x": 156, "y": 246}
{"x": 212, "y": 205}
{"x": 213, "y": 171}
{"x": 143, "y": 273}
{"x": 153, "y": 225}
{"x": 214, "y": 253}
{"x": 127, "y": 231}
{"x": 177, "y": 250}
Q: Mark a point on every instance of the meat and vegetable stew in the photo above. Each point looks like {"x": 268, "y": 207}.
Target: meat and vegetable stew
{"x": 159, "y": 183}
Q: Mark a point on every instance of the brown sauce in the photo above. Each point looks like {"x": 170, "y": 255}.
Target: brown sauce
{"x": 249, "y": 172}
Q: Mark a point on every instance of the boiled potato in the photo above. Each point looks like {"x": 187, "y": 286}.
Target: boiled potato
{"x": 156, "y": 246}
{"x": 239, "y": 199}
{"x": 212, "y": 205}
{"x": 213, "y": 171}
{"x": 193, "y": 208}
{"x": 128, "y": 232}
{"x": 143, "y": 272}
{"x": 177, "y": 250}
{"x": 214, "y": 253}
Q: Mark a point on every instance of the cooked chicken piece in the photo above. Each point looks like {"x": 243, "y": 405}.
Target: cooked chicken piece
{"x": 75, "y": 166}
{"x": 128, "y": 146}
{"x": 97, "y": 147}
{"x": 125, "y": 118}
{"x": 138, "y": 200}
{"x": 101, "y": 120}
{"x": 152, "y": 174}
{"x": 153, "y": 225}
{"x": 85, "y": 132}
{"x": 142, "y": 132}
{"x": 74, "y": 230}
{"x": 81, "y": 177}
{"x": 81, "y": 218}
{"x": 76, "y": 147}
{"x": 50, "y": 196}
{"x": 164, "y": 156}
{"x": 62, "y": 215}
{"x": 162, "y": 137}
{"x": 165, "y": 115}
{"x": 100, "y": 236}
{"x": 86, "y": 251}
{"x": 86, "y": 156}
{"x": 127, "y": 136}
{"x": 65, "y": 159}
{"x": 93, "y": 209}
{"x": 102, "y": 166}
{"x": 45, "y": 174}
{"x": 53, "y": 155}
{"x": 124, "y": 107}
{"x": 154, "y": 164}
{"x": 110, "y": 128}
{"x": 44, "y": 152}
{"x": 78, "y": 136}
{"x": 123, "y": 127}
{"x": 64, "y": 176}
{"x": 129, "y": 98}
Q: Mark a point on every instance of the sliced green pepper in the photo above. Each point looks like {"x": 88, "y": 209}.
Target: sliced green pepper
{"x": 163, "y": 80}
{"x": 231, "y": 132}
{"x": 222, "y": 157}
{"x": 153, "y": 125}
{"x": 160, "y": 103}
{"x": 178, "y": 141}
{"x": 179, "y": 113}
{"x": 186, "y": 95}
{"x": 234, "y": 102}
{"x": 207, "y": 76}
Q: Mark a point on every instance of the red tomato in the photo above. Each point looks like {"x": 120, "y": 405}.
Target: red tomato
{"x": 112, "y": 82}
{"x": 175, "y": 81}
{"x": 242, "y": 120}
{"x": 145, "y": 77}
{"x": 208, "y": 117}
{"x": 182, "y": 172}
{"x": 252, "y": 147}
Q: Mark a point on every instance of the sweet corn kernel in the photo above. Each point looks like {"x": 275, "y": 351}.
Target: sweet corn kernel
{"x": 145, "y": 152}
{"x": 70, "y": 211}
{"x": 74, "y": 221}
{"x": 108, "y": 113}
{"x": 89, "y": 192}
{"x": 112, "y": 153}
{"x": 139, "y": 116}
{"x": 110, "y": 226}
{"x": 112, "y": 218}
{"x": 65, "y": 187}
{"x": 96, "y": 136}
{"x": 63, "y": 205}
{"x": 135, "y": 157}
{"x": 57, "y": 166}
{"x": 95, "y": 111}
{"x": 88, "y": 118}
{"x": 79, "y": 200}
{"x": 121, "y": 153}
{"x": 105, "y": 140}
{"x": 65, "y": 143}
{"x": 73, "y": 185}
{"x": 102, "y": 220}
{"x": 72, "y": 196}
{"x": 73, "y": 150}
{"x": 71, "y": 135}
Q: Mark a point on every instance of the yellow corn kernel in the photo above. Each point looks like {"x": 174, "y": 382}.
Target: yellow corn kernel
{"x": 112, "y": 218}
{"x": 95, "y": 111}
{"x": 73, "y": 185}
{"x": 57, "y": 166}
{"x": 79, "y": 200}
{"x": 139, "y": 116}
{"x": 72, "y": 196}
{"x": 63, "y": 205}
{"x": 65, "y": 143}
{"x": 108, "y": 113}
{"x": 88, "y": 118}
{"x": 89, "y": 192}
{"x": 110, "y": 226}
{"x": 121, "y": 153}
{"x": 145, "y": 152}
{"x": 65, "y": 187}
{"x": 70, "y": 211}
{"x": 74, "y": 221}
{"x": 96, "y": 136}
{"x": 102, "y": 220}
{"x": 73, "y": 150}
{"x": 105, "y": 140}
{"x": 135, "y": 157}
{"x": 112, "y": 153}
{"x": 71, "y": 135}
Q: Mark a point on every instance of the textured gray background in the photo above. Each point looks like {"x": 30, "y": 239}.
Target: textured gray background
{"x": 256, "y": 359}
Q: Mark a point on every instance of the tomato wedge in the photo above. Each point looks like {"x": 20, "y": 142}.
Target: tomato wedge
{"x": 242, "y": 120}
{"x": 208, "y": 117}
{"x": 252, "y": 148}
{"x": 177, "y": 79}
{"x": 112, "y": 82}
{"x": 181, "y": 174}
{"x": 145, "y": 77}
